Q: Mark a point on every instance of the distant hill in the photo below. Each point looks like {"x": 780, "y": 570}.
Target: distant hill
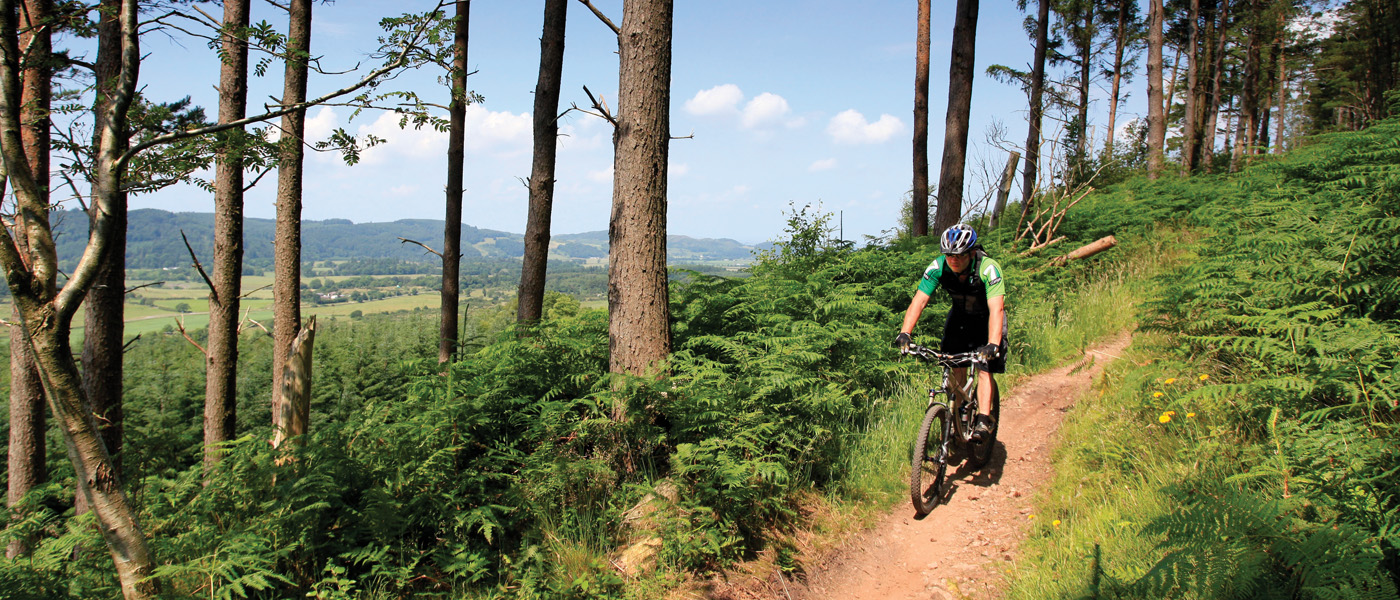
{"x": 153, "y": 240}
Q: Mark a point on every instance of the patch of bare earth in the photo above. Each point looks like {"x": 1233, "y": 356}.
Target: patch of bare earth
{"x": 963, "y": 548}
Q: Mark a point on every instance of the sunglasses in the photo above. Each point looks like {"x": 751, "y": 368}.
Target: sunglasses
{"x": 959, "y": 255}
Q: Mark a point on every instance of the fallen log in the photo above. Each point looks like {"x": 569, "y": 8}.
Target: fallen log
{"x": 1086, "y": 251}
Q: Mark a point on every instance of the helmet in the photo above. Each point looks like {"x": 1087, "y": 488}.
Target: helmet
{"x": 958, "y": 239}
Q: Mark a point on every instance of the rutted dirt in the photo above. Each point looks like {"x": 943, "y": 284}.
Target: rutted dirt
{"x": 961, "y": 549}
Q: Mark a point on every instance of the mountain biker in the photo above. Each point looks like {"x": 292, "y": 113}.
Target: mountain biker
{"x": 977, "y": 320}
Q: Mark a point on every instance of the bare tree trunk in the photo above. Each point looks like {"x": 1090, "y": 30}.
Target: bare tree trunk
{"x": 1189, "y": 118}
{"x": 1081, "y": 121}
{"x": 960, "y": 78}
{"x": 1008, "y": 176}
{"x": 1249, "y": 106}
{"x": 919, "y": 193}
{"x": 1028, "y": 179}
{"x": 1120, "y": 44}
{"x": 1211, "y": 130}
{"x": 1282, "y": 101}
{"x": 1171, "y": 85}
{"x": 286, "y": 260}
{"x": 103, "y": 327}
{"x": 221, "y": 378}
{"x": 1156, "y": 119}
{"x": 452, "y": 230}
{"x": 639, "y": 332}
{"x": 535, "y": 263}
{"x": 46, "y": 312}
{"x": 27, "y": 464}
{"x": 293, "y": 417}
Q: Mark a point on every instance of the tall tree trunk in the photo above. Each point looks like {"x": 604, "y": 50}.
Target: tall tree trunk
{"x": 221, "y": 379}
{"x": 1081, "y": 119}
{"x": 1156, "y": 118}
{"x": 452, "y": 230}
{"x": 103, "y": 319}
{"x": 46, "y": 312}
{"x": 535, "y": 263}
{"x": 919, "y": 192}
{"x": 1189, "y": 123}
{"x": 639, "y": 332}
{"x": 1211, "y": 130}
{"x": 1282, "y": 101}
{"x": 1028, "y": 180}
{"x": 286, "y": 261}
{"x": 1249, "y": 109}
{"x": 960, "y": 77}
{"x": 27, "y": 464}
{"x": 1120, "y": 39}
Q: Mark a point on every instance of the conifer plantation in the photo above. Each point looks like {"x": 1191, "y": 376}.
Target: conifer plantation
{"x": 648, "y": 431}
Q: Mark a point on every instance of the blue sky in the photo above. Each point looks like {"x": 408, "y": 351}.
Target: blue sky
{"x": 789, "y": 102}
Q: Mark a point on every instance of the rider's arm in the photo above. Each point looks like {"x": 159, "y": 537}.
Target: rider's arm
{"x": 916, "y": 307}
{"x": 995, "y": 322}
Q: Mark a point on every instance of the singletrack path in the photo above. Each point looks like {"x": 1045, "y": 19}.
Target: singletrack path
{"x": 963, "y": 548}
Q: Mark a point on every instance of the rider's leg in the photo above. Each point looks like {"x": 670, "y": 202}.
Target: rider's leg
{"x": 984, "y": 392}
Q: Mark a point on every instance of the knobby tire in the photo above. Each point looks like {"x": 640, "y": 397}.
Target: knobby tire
{"x": 926, "y": 471}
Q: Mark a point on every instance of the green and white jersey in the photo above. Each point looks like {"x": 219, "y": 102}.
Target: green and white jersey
{"x": 984, "y": 281}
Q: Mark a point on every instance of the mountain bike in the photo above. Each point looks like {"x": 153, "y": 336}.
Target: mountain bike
{"x": 946, "y": 433}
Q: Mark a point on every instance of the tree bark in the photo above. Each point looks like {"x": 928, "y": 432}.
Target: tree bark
{"x": 534, "y": 265}
{"x": 639, "y": 333}
{"x": 293, "y": 416}
{"x": 960, "y": 78}
{"x": 1085, "y": 47}
{"x": 1190, "y": 121}
{"x": 1156, "y": 118}
{"x": 286, "y": 260}
{"x": 919, "y": 192}
{"x": 27, "y": 463}
{"x": 1249, "y": 109}
{"x": 1282, "y": 97}
{"x": 1120, "y": 44}
{"x": 1211, "y": 129}
{"x": 1028, "y": 179}
{"x": 221, "y": 364}
{"x": 1008, "y": 176}
{"x": 452, "y": 229}
{"x": 103, "y": 327}
{"x": 46, "y": 312}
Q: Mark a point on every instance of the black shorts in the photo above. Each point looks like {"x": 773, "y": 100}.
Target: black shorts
{"x": 964, "y": 332}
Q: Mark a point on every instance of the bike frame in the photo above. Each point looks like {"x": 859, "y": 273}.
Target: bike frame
{"x": 962, "y": 400}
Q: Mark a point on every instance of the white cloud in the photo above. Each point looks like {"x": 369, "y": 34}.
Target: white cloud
{"x": 602, "y": 175}
{"x": 405, "y": 190}
{"x": 822, "y": 165}
{"x": 716, "y": 100}
{"x": 850, "y": 127}
{"x": 320, "y": 125}
{"x": 485, "y": 131}
{"x": 766, "y": 108}
{"x": 677, "y": 169}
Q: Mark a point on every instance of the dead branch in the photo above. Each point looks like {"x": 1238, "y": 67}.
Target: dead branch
{"x": 600, "y": 106}
{"x": 130, "y": 290}
{"x": 1034, "y": 249}
{"x": 127, "y": 346}
{"x": 180, "y": 324}
{"x": 198, "y": 266}
{"x": 602, "y": 16}
{"x": 684, "y": 137}
{"x": 255, "y": 291}
{"x": 425, "y": 246}
{"x": 1086, "y": 251}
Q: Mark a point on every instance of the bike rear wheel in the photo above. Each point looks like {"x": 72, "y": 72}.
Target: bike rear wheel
{"x": 929, "y": 464}
{"x": 982, "y": 451}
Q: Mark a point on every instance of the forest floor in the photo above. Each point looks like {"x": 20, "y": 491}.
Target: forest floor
{"x": 965, "y": 547}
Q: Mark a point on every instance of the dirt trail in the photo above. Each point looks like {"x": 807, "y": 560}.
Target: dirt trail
{"x": 962, "y": 548}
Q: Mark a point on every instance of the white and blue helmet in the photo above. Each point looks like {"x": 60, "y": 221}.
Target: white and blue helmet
{"x": 958, "y": 239}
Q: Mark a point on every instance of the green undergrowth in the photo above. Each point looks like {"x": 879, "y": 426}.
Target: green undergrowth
{"x": 1247, "y": 447}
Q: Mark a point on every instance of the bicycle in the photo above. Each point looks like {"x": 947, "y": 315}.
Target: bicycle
{"x": 946, "y": 432}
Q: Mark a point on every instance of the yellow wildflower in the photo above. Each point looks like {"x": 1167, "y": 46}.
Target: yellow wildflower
{"x": 1157, "y": 394}
{"x": 1030, "y": 517}
{"x": 1169, "y": 380}
{"x": 1190, "y": 415}
{"x": 1165, "y": 418}
{"x": 1056, "y": 522}
{"x": 1204, "y": 376}
{"x": 1171, "y": 413}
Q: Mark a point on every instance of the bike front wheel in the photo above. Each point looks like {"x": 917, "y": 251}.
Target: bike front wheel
{"x": 929, "y": 464}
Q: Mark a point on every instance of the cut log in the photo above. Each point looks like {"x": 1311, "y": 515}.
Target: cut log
{"x": 292, "y": 410}
{"x": 1086, "y": 251}
{"x": 1007, "y": 178}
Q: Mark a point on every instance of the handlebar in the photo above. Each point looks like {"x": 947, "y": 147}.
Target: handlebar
{"x": 960, "y": 359}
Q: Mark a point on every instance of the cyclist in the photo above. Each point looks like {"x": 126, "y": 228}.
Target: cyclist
{"x": 977, "y": 320}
